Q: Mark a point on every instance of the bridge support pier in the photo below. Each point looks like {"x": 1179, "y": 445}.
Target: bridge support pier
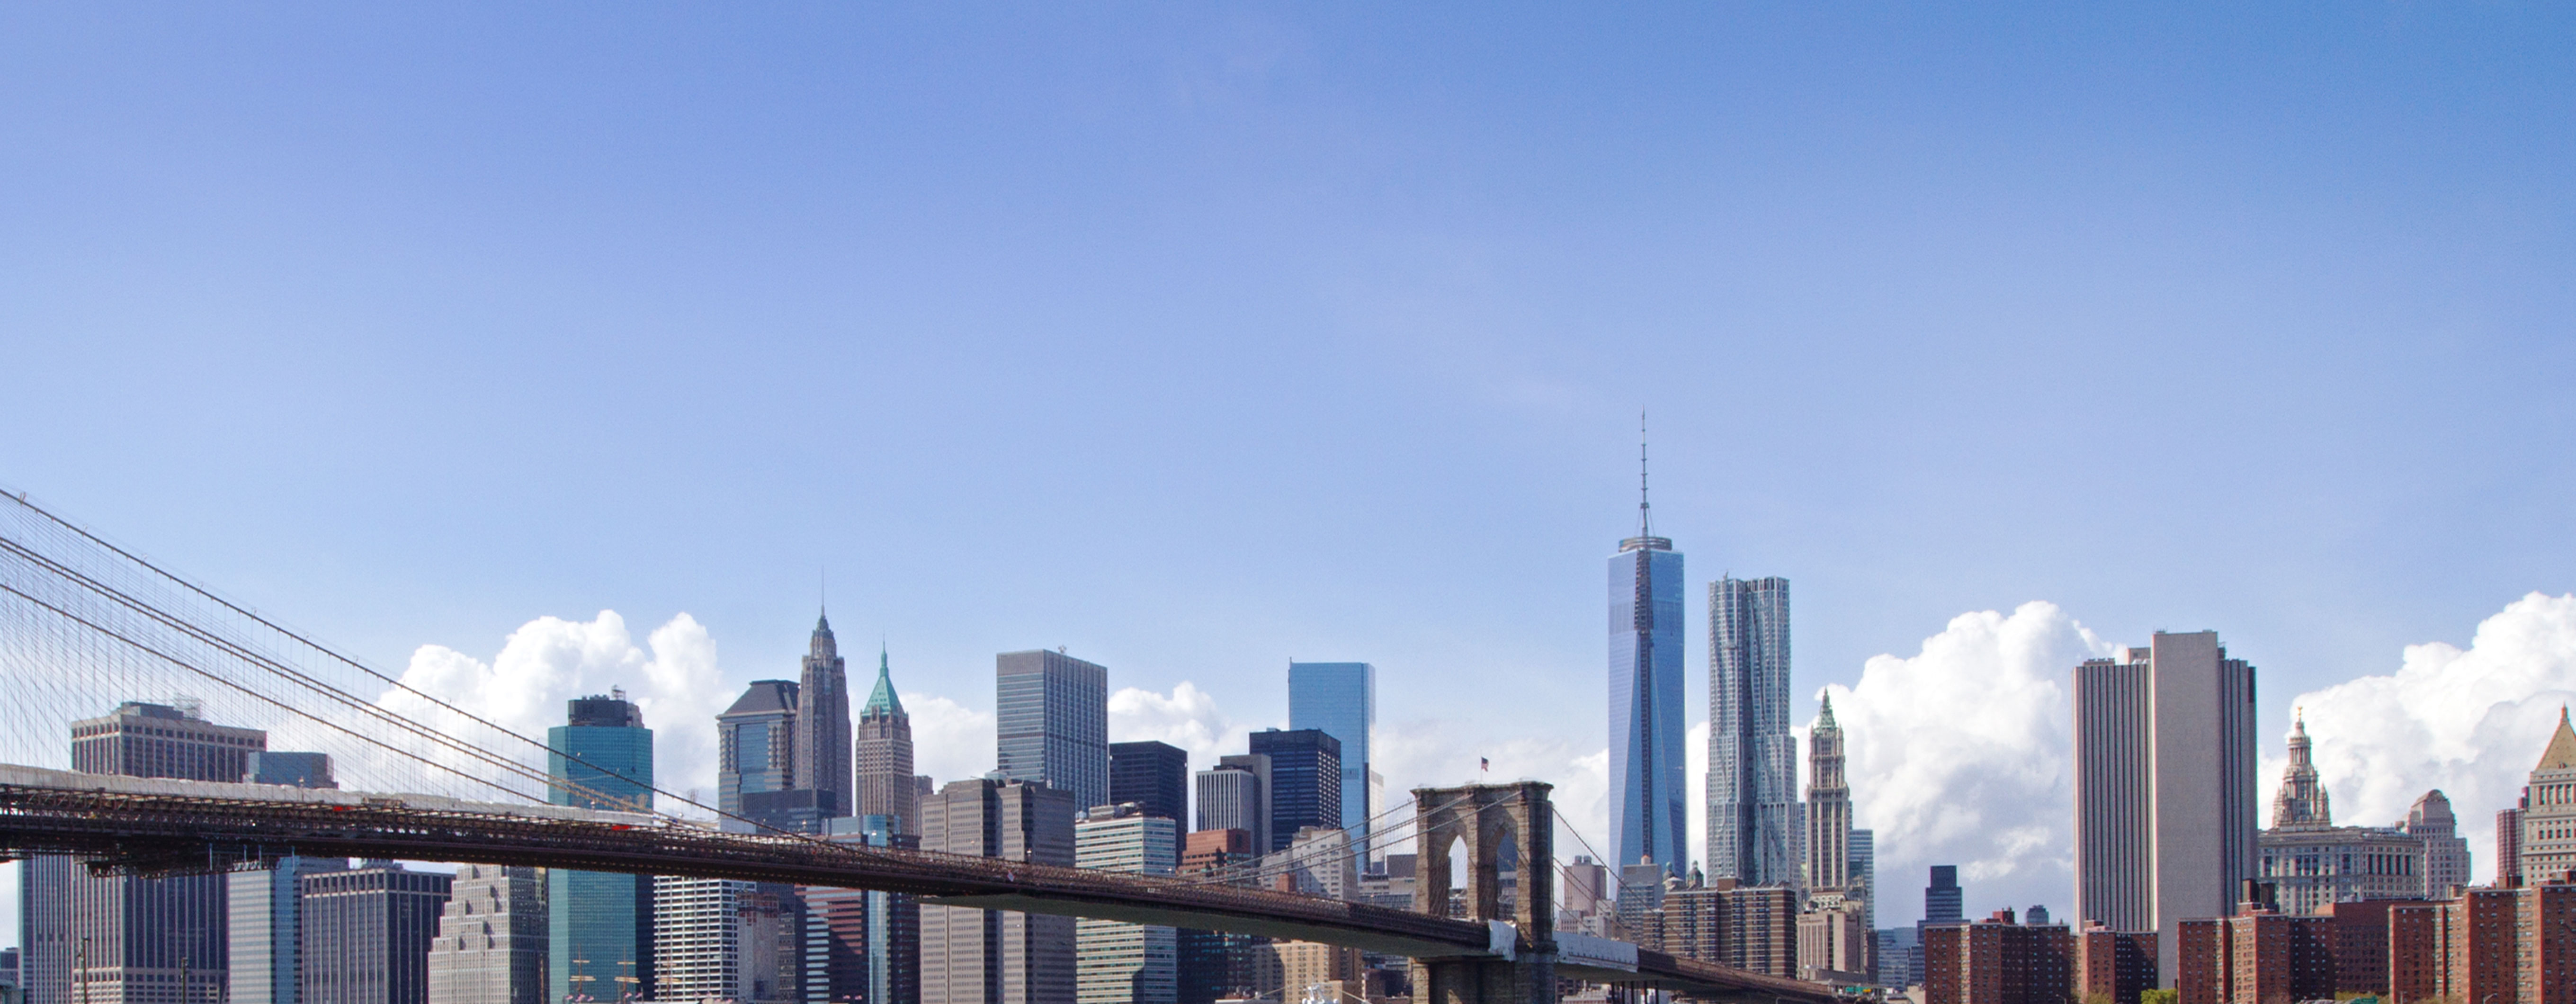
{"x": 1492, "y": 823}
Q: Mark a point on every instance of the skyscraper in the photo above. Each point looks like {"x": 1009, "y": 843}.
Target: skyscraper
{"x": 1648, "y": 821}
{"x": 1943, "y": 901}
{"x": 1754, "y": 829}
{"x": 1864, "y": 874}
{"x": 863, "y": 945}
{"x": 265, "y": 917}
{"x": 599, "y": 930}
{"x": 1340, "y": 698}
{"x": 45, "y": 929}
{"x": 725, "y": 940}
{"x": 1305, "y": 785}
{"x": 1122, "y": 963}
{"x": 1053, "y": 727}
{"x": 154, "y": 940}
{"x": 823, "y": 722}
{"x": 756, "y": 747}
{"x": 491, "y": 945}
{"x": 971, "y": 956}
{"x": 1154, "y": 776}
{"x": 2548, "y": 819}
{"x": 2164, "y": 786}
{"x": 1235, "y": 795}
{"x": 1829, "y": 864}
{"x": 885, "y": 779}
{"x": 2446, "y": 853}
{"x": 367, "y": 933}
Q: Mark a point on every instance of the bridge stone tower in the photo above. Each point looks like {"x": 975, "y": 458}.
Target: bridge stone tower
{"x": 1486, "y": 818}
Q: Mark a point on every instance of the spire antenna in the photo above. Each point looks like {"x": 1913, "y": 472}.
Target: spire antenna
{"x": 1645, "y": 510}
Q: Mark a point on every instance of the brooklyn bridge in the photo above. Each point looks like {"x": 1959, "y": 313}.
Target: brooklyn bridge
{"x": 86, "y": 623}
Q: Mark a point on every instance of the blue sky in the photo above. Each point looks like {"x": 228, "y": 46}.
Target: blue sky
{"x": 1199, "y": 337}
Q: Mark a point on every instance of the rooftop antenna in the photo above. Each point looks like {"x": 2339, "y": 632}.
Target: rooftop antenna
{"x": 1645, "y": 521}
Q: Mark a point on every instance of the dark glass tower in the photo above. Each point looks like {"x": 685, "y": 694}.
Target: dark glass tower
{"x": 600, "y": 925}
{"x": 1648, "y": 821}
{"x": 1155, "y": 776}
{"x": 755, "y": 747}
{"x": 1305, "y": 781}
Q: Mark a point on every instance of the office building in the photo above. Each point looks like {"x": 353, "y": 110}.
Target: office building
{"x": 726, "y": 940}
{"x": 1863, "y": 854}
{"x": 9, "y": 988}
{"x": 1998, "y": 961}
{"x": 973, "y": 956}
{"x": 1053, "y": 723}
{"x": 1943, "y": 901}
{"x": 264, "y": 918}
{"x": 1305, "y": 782}
{"x": 599, "y": 925}
{"x": 1648, "y": 819}
{"x": 367, "y": 933}
{"x": 1235, "y": 795}
{"x": 1754, "y": 928}
{"x": 2446, "y": 853}
{"x": 45, "y": 929}
{"x": 294, "y": 770}
{"x": 1318, "y": 861}
{"x": 1340, "y": 698}
{"x": 755, "y": 748}
{"x": 1214, "y": 964}
{"x": 1829, "y": 809}
{"x": 2113, "y": 967}
{"x": 2549, "y": 816}
{"x": 163, "y": 940}
{"x": 2164, "y": 785}
{"x": 863, "y": 945}
{"x": 1155, "y": 777}
{"x": 1318, "y": 972}
{"x": 823, "y": 721}
{"x": 491, "y": 944}
{"x": 1834, "y": 946}
{"x": 2255, "y": 957}
{"x": 1754, "y": 828}
{"x": 2313, "y": 864}
{"x": 1121, "y": 963}
{"x": 2508, "y": 838}
{"x": 1899, "y": 957}
{"x": 886, "y": 784}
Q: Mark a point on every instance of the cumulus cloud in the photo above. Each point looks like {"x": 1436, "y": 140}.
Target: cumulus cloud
{"x": 674, "y": 682}
{"x": 1959, "y": 754}
{"x": 950, "y": 741}
{"x": 1187, "y": 717}
{"x": 2470, "y": 722}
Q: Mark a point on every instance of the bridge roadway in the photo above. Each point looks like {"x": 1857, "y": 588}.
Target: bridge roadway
{"x": 148, "y": 825}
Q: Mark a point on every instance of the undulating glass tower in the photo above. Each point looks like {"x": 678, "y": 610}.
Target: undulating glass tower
{"x": 1756, "y": 830}
{"x": 599, "y": 924}
{"x": 1340, "y": 698}
{"x": 1647, "y": 815}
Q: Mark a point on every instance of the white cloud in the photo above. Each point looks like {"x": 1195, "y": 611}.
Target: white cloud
{"x": 950, "y": 741}
{"x": 1959, "y": 754}
{"x": 1187, "y": 718}
{"x": 2470, "y": 722}
{"x": 676, "y": 685}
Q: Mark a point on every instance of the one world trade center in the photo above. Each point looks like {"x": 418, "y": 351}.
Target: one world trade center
{"x": 1646, "y": 770}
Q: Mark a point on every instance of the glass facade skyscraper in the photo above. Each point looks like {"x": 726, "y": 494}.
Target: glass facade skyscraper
{"x": 1053, "y": 727}
{"x": 1648, "y": 820}
{"x": 599, "y": 925}
{"x": 1341, "y": 699}
{"x": 1756, "y": 829}
{"x": 755, "y": 747}
{"x": 1305, "y": 784}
